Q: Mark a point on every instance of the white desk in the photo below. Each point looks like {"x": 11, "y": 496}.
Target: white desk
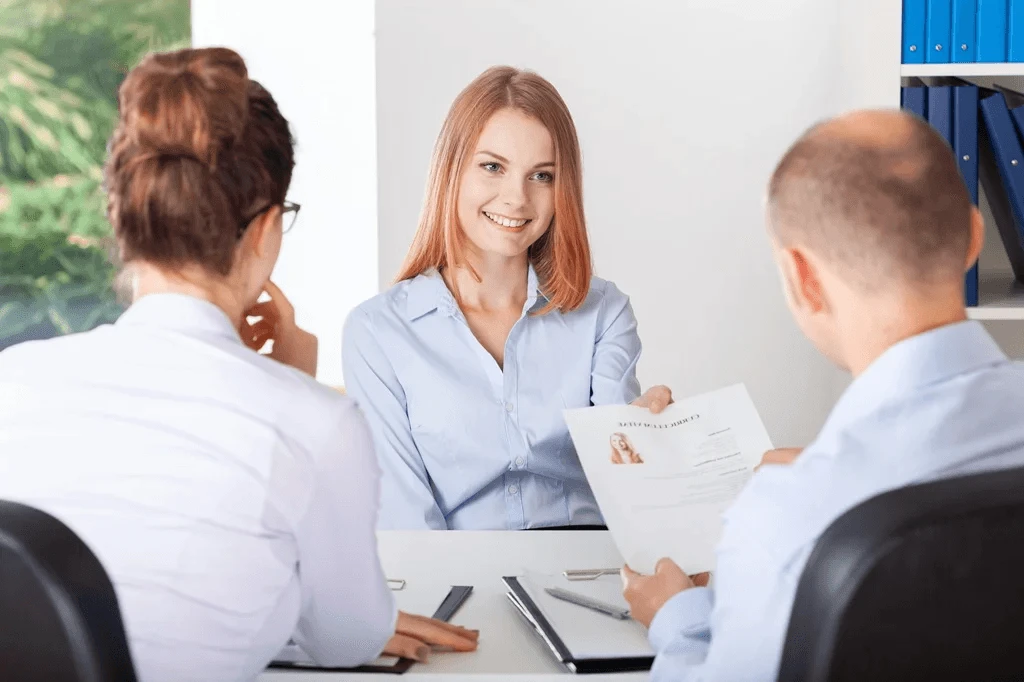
{"x": 508, "y": 649}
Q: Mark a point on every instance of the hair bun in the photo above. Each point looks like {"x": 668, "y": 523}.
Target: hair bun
{"x": 189, "y": 105}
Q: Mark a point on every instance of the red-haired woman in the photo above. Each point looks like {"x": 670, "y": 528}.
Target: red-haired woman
{"x": 231, "y": 497}
{"x": 494, "y": 327}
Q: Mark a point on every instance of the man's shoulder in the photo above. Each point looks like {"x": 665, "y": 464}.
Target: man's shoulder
{"x": 785, "y": 507}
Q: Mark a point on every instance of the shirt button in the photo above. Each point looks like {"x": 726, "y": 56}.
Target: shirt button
{"x": 520, "y": 461}
{"x": 509, "y": 407}
{"x": 513, "y": 489}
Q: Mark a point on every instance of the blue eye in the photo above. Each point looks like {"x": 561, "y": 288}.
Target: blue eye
{"x": 544, "y": 176}
{"x": 491, "y": 166}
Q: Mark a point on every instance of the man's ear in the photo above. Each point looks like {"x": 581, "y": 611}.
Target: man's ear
{"x": 977, "y": 238}
{"x": 802, "y": 279}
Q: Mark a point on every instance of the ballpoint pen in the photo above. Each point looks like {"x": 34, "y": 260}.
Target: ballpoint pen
{"x": 589, "y": 573}
{"x": 587, "y": 602}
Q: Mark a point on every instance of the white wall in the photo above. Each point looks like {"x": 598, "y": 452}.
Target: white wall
{"x": 317, "y": 59}
{"x": 682, "y": 108}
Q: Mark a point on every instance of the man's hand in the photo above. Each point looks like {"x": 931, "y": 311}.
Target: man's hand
{"x": 416, "y": 636}
{"x": 292, "y": 345}
{"x": 646, "y": 594}
{"x": 656, "y": 399}
{"x": 779, "y": 456}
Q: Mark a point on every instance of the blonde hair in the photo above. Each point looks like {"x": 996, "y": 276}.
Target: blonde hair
{"x": 561, "y": 257}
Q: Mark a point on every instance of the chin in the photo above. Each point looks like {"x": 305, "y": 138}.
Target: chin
{"x": 505, "y": 245}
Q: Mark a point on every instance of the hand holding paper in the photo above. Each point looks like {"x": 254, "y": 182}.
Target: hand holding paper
{"x": 663, "y": 480}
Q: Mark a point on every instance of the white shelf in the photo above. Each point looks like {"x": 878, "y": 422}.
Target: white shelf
{"x": 962, "y": 70}
{"x": 999, "y": 298}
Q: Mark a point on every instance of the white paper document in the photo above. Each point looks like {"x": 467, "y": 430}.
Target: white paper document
{"x": 663, "y": 480}
{"x": 585, "y": 632}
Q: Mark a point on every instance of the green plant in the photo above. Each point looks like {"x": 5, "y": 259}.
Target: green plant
{"x": 61, "y": 62}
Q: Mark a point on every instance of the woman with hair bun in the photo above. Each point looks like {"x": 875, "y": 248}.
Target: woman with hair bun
{"x": 231, "y": 498}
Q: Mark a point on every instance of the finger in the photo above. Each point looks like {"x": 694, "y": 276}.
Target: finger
{"x": 261, "y": 328}
{"x": 434, "y": 632}
{"x": 266, "y": 309}
{"x": 661, "y": 396}
{"x": 701, "y": 579}
{"x": 665, "y": 564}
{"x": 259, "y": 333}
{"x": 284, "y": 305}
{"x": 455, "y": 629}
{"x": 628, "y": 576}
{"x": 407, "y": 647}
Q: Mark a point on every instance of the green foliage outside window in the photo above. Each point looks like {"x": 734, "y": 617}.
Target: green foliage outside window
{"x": 61, "y": 62}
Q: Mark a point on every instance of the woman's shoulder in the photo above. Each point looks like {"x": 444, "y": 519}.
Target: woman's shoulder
{"x": 401, "y": 300}
{"x": 604, "y": 288}
{"x": 603, "y": 295}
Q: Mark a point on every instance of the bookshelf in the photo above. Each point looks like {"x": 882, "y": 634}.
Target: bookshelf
{"x": 1000, "y": 299}
{"x": 968, "y": 70}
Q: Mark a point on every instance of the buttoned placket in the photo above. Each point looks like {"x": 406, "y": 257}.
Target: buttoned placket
{"x": 504, "y": 386}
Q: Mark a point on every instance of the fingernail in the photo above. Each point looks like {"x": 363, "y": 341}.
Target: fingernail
{"x": 422, "y": 653}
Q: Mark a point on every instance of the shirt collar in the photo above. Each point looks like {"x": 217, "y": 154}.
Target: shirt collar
{"x": 428, "y": 292}
{"x": 180, "y": 312}
{"x": 927, "y": 358}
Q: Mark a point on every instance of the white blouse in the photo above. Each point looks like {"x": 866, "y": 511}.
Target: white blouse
{"x": 231, "y": 499}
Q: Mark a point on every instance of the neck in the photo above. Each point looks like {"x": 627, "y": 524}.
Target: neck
{"x": 502, "y": 283}
{"x": 189, "y": 281}
{"x": 892, "y": 319}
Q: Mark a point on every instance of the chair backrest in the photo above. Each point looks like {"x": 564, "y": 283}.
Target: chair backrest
{"x": 921, "y": 583}
{"x": 59, "y": 616}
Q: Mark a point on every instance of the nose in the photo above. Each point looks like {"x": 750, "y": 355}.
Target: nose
{"x": 513, "y": 193}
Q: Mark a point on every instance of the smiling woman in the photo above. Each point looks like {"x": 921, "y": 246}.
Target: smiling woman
{"x": 495, "y": 326}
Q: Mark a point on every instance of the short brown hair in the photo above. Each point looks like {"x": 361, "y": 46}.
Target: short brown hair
{"x": 889, "y": 204}
{"x": 561, "y": 256}
{"x": 198, "y": 147}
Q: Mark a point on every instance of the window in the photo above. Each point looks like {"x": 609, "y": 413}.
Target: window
{"x": 61, "y": 62}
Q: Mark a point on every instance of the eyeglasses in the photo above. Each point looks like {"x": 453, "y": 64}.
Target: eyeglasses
{"x": 287, "y": 207}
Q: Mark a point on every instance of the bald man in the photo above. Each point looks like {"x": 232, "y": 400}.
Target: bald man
{"x": 872, "y": 230}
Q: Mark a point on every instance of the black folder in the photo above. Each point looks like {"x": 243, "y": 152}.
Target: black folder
{"x": 529, "y": 610}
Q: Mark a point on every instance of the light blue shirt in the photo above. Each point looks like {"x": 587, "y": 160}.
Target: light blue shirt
{"x": 944, "y": 403}
{"x": 464, "y": 443}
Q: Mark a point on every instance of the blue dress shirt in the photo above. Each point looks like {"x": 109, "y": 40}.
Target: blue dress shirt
{"x": 944, "y": 403}
{"x": 464, "y": 443}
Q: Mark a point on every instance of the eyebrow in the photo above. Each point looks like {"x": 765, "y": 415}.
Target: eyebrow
{"x": 499, "y": 157}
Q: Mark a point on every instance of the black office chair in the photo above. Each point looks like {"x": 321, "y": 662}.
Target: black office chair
{"x": 59, "y": 616}
{"x": 922, "y": 583}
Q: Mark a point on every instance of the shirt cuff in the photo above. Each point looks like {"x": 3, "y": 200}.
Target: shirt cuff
{"x": 687, "y": 613}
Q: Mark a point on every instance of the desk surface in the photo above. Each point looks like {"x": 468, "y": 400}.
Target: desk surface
{"x": 509, "y": 649}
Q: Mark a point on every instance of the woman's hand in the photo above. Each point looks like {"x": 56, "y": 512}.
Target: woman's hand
{"x": 292, "y": 345}
{"x": 416, "y": 636}
{"x": 779, "y": 456}
{"x": 656, "y": 399}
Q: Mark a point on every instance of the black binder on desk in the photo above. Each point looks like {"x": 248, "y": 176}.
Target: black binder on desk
{"x": 456, "y": 596}
{"x": 528, "y": 609}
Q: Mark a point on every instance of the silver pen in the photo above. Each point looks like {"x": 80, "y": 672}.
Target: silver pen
{"x": 587, "y": 602}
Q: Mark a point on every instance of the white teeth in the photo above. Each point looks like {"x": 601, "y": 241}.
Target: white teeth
{"x": 505, "y": 222}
